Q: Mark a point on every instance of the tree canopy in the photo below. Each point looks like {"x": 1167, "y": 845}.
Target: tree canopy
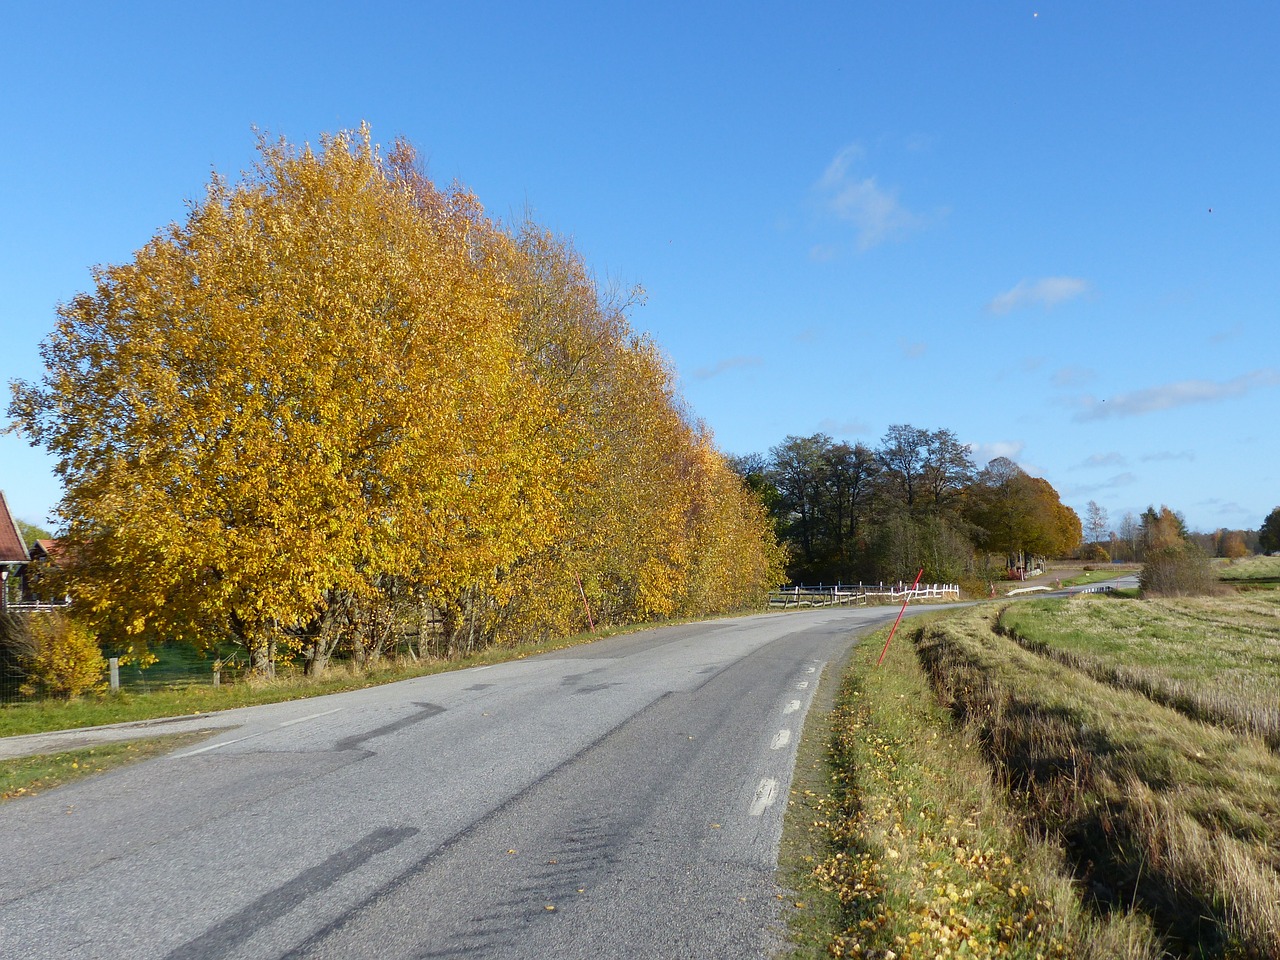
{"x": 1269, "y": 533}
{"x": 851, "y": 512}
{"x": 336, "y": 390}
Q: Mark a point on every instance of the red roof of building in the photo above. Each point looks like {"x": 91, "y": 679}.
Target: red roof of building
{"x": 45, "y": 548}
{"x": 12, "y": 547}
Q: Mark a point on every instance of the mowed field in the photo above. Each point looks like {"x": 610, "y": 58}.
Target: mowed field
{"x": 1082, "y": 777}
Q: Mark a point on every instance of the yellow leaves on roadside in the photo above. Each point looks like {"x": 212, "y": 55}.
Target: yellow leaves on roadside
{"x": 335, "y": 390}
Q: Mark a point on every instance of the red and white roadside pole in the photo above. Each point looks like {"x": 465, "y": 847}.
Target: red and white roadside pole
{"x": 905, "y": 601}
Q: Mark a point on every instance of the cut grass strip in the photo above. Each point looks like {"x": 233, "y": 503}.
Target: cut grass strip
{"x": 923, "y": 857}
{"x": 124, "y": 707}
{"x": 29, "y": 776}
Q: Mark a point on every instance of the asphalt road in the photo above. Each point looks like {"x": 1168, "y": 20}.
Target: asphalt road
{"x": 622, "y": 799}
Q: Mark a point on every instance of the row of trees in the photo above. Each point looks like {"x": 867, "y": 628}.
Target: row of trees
{"x": 1136, "y": 535}
{"x": 855, "y": 513}
{"x": 338, "y": 400}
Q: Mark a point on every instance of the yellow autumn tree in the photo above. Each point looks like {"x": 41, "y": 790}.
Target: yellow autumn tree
{"x": 337, "y": 398}
{"x": 302, "y": 390}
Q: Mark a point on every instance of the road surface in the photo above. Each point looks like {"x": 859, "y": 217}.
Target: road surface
{"x": 619, "y": 799}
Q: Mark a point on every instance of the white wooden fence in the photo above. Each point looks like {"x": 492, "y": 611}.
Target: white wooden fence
{"x": 860, "y": 594}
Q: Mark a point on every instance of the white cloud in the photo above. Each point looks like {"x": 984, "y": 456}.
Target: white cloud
{"x": 874, "y": 211}
{"x": 724, "y": 366}
{"x": 1046, "y": 292}
{"x": 1164, "y": 455}
{"x": 1171, "y": 395}
{"x": 984, "y": 453}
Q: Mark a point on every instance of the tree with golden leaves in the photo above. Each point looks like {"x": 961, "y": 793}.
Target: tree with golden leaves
{"x": 301, "y": 390}
{"x": 335, "y": 394}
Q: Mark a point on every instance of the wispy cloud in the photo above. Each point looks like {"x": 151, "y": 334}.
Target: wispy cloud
{"x": 808, "y": 335}
{"x": 1046, "y": 292}
{"x": 1164, "y": 455}
{"x": 1111, "y": 459}
{"x": 724, "y": 366}
{"x": 1171, "y": 395}
{"x": 1073, "y": 377}
{"x": 1227, "y": 508}
{"x": 844, "y": 428}
{"x": 1224, "y": 336}
{"x": 1111, "y": 483}
{"x": 984, "y": 453}
{"x": 874, "y": 211}
{"x": 912, "y": 350}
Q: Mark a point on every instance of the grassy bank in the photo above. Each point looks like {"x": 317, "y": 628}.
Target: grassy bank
{"x": 1214, "y": 659}
{"x": 1250, "y": 571}
{"x": 1161, "y": 816}
{"x": 908, "y": 847}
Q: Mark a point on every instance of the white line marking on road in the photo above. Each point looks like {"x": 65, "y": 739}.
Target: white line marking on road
{"x": 812, "y": 670}
{"x": 212, "y": 746}
{"x": 791, "y": 707}
{"x": 780, "y": 740}
{"x": 290, "y": 723}
{"x": 766, "y": 793}
{"x": 802, "y": 684}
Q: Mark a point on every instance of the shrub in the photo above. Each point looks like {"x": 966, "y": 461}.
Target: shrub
{"x": 1177, "y": 570}
{"x": 65, "y": 659}
{"x": 1096, "y": 553}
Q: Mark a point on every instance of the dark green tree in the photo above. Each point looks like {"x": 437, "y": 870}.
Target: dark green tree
{"x": 1269, "y": 533}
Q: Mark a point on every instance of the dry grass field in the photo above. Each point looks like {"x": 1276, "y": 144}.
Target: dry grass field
{"x": 1083, "y": 777}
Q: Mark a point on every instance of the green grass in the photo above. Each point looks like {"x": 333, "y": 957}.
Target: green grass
{"x": 1250, "y": 570}
{"x": 1086, "y": 577}
{"x": 170, "y": 700}
{"x": 1216, "y": 659}
{"x": 29, "y": 776}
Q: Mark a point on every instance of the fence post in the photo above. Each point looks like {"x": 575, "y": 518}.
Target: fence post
{"x": 217, "y": 673}
{"x": 114, "y": 665}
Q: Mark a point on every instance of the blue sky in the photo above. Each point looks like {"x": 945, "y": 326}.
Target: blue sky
{"x": 1053, "y": 228}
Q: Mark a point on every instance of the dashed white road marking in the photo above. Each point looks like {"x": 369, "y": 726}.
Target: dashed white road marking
{"x": 791, "y": 707}
{"x": 766, "y": 793}
{"x": 780, "y": 740}
{"x": 802, "y": 684}
{"x": 212, "y": 746}
{"x": 811, "y": 670}
{"x": 313, "y": 716}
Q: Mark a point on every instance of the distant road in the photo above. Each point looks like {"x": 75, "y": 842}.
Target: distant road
{"x": 621, "y": 799}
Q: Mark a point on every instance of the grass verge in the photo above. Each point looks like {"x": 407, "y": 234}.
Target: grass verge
{"x": 899, "y": 844}
{"x": 29, "y": 776}
{"x": 127, "y": 706}
{"x": 1161, "y": 816}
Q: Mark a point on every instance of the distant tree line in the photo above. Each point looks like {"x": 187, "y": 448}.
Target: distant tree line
{"x": 1136, "y": 535}
{"x": 853, "y": 513}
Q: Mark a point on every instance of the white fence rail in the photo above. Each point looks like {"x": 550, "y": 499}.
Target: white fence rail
{"x": 860, "y": 594}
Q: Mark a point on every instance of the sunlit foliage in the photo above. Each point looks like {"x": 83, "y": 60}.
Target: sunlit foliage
{"x": 338, "y": 402}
